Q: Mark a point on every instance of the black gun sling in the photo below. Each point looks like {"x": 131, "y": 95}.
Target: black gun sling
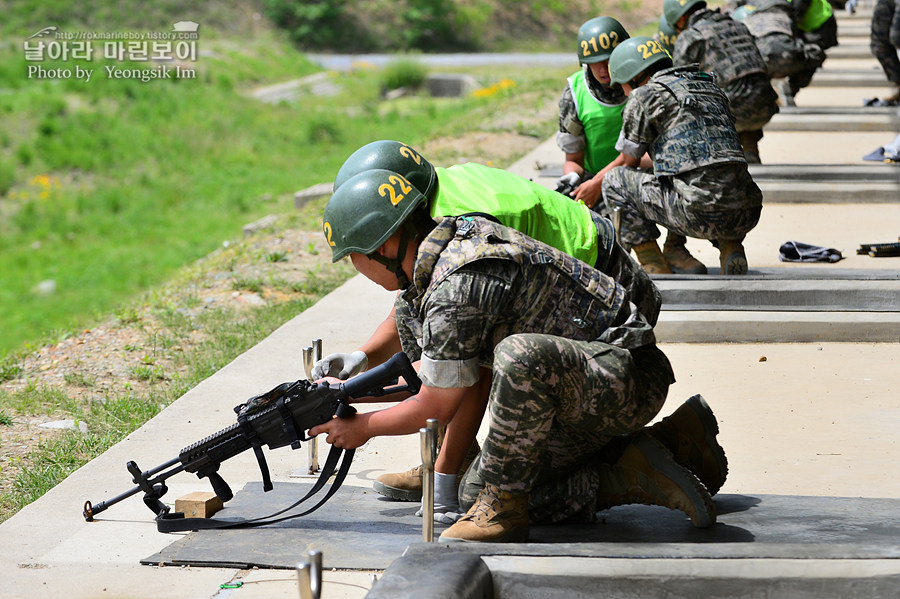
{"x": 176, "y": 522}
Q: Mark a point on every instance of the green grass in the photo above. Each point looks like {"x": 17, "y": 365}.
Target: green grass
{"x": 125, "y": 182}
{"x": 226, "y": 335}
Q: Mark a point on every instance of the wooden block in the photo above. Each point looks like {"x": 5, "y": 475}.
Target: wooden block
{"x": 199, "y": 504}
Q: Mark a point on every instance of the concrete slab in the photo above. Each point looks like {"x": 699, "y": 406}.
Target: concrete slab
{"x": 818, "y": 147}
{"x": 851, "y": 78}
{"x": 869, "y": 182}
{"x": 838, "y": 96}
{"x": 857, "y": 50}
{"x": 860, "y": 121}
{"x": 768, "y": 294}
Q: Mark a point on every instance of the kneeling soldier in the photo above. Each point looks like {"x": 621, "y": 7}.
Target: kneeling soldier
{"x": 574, "y": 362}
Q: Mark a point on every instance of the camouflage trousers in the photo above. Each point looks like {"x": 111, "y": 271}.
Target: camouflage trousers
{"x": 646, "y": 201}
{"x": 785, "y": 55}
{"x": 824, "y": 37}
{"x": 556, "y": 405}
{"x": 880, "y": 42}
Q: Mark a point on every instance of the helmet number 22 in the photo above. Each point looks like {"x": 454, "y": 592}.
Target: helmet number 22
{"x": 649, "y": 48}
{"x": 397, "y": 188}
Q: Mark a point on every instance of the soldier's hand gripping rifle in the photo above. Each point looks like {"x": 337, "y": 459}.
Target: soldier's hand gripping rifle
{"x": 277, "y": 418}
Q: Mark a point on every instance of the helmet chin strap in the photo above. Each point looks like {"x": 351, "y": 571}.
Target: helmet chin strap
{"x": 395, "y": 265}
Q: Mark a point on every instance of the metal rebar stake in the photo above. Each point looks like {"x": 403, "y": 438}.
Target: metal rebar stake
{"x": 309, "y": 576}
{"x": 428, "y": 447}
{"x": 314, "y": 442}
{"x": 304, "y": 580}
{"x": 617, "y": 222}
{"x": 311, "y": 355}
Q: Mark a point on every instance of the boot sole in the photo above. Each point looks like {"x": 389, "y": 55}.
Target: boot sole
{"x": 395, "y": 493}
{"x": 735, "y": 264}
{"x": 516, "y": 535}
{"x": 711, "y": 426}
{"x": 700, "y": 269}
{"x": 662, "y": 460}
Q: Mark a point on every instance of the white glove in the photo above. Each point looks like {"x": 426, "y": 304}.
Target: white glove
{"x": 446, "y": 503}
{"x": 341, "y": 366}
{"x": 569, "y": 179}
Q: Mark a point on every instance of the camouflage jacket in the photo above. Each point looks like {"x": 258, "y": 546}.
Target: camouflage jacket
{"x": 771, "y": 17}
{"x": 476, "y": 282}
{"x": 682, "y": 118}
{"x": 720, "y": 45}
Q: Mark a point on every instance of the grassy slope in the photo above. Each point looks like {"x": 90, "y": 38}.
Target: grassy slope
{"x": 107, "y": 187}
{"x": 111, "y": 185}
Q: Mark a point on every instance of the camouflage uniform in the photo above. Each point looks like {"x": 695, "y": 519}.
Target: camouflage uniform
{"x": 777, "y": 37}
{"x": 574, "y": 361}
{"x": 571, "y": 138}
{"x": 700, "y": 186}
{"x": 824, "y": 37}
{"x": 885, "y": 41}
{"x": 725, "y": 48}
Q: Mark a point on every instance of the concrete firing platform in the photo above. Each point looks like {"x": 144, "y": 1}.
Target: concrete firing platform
{"x": 865, "y": 119}
{"x": 851, "y": 78}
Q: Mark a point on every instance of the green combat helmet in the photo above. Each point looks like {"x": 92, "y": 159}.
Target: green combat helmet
{"x": 393, "y": 156}
{"x": 675, "y": 9}
{"x": 633, "y": 57}
{"x": 666, "y": 34}
{"x": 366, "y": 210}
{"x": 597, "y": 39}
{"x": 742, "y": 12}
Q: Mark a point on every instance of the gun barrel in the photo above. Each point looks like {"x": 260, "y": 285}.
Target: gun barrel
{"x": 91, "y": 510}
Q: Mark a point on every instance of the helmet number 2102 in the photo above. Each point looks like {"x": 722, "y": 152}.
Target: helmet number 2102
{"x": 604, "y": 41}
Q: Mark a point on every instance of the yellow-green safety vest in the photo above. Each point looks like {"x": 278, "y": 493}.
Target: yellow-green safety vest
{"x": 602, "y": 124}
{"x": 516, "y": 202}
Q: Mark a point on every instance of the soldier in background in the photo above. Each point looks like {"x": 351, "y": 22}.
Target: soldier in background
{"x": 773, "y": 26}
{"x": 885, "y": 42}
{"x": 665, "y": 34}
{"x": 590, "y": 113}
{"x": 726, "y": 49}
{"x": 815, "y": 19}
{"x": 700, "y": 185}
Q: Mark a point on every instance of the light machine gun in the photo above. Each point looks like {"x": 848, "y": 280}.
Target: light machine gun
{"x": 277, "y": 418}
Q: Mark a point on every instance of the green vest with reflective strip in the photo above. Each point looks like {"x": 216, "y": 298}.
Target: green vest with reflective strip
{"x": 602, "y": 124}
{"x": 516, "y": 202}
{"x": 818, "y": 12}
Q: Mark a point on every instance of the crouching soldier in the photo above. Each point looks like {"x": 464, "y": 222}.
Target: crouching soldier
{"x": 574, "y": 363}
{"x": 700, "y": 185}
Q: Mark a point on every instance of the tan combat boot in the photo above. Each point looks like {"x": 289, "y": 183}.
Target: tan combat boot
{"x": 690, "y": 434}
{"x": 648, "y": 474}
{"x": 407, "y": 486}
{"x": 732, "y": 259}
{"x": 652, "y": 259}
{"x": 496, "y": 517}
{"x": 679, "y": 258}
